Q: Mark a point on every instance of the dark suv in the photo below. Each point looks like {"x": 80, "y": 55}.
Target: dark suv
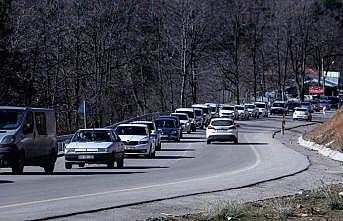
{"x": 170, "y": 128}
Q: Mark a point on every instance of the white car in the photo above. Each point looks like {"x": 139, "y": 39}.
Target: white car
{"x": 155, "y": 134}
{"x": 222, "y": 129}
{"x": 253, "y": 111}
{"x": 94, "y": 146}
{"x": 228, "y": 111}
{"x": 185, "y": 122}
{"x": 137, "y": 139}
{"x": 262, "y": 108}
{"x": 243, "y": 112}
{"x": 302, "y": 113}
{"x": 191, "y": 117}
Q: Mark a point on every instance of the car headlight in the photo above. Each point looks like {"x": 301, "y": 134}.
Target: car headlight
{"x": 143, "y": 142}
{"x": 9, "y": 139}
{"x": 70, "y": 150}
{"x": 102, "y": 149}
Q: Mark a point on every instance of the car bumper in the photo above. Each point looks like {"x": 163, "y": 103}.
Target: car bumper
{"x": 221, "y": 137}
{"x": 301, "y": 117}
{"x": 137, "y": 149}
{"x": 277, "y": 111}
{"x": 7, "y": 156}
{"x": 169, "y": 137}
{"x": 89, "y": 157}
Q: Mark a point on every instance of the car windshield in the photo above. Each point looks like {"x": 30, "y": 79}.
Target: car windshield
{"x": 92, "y": 136}
{"x": 213, "y": 109}
{"x": 228, "y": 108}
{"x": 261, "y": 105}
{"x": 131, "y": 130}
{"x": 240, "y": 108}
{"x": 206, "y": 110}
{"x": 250, "y": 106}
{"x": 189, "y": 113}
{"x": 150, "y": 125}
{"x": 181, "y": 116}
{"x": 278, "y": 105}
{"x": 11, "y": 119}
{"x": 198, "y": 113}
{"x": 165, "y": 123}
{"x": 222, "y": 123}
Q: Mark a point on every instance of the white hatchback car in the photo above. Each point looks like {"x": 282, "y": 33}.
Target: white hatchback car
{"x": 222, "y": 129}
{"x": 302, "y": 113}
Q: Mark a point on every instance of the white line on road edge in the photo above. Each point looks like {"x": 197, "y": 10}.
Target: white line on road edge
{"x": 257, "y": 163}
{"x": 322, "y": 149}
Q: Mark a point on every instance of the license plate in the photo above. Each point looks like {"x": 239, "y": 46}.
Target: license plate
{"x": 221, "y": 130}
{"x": 85, "y": 157}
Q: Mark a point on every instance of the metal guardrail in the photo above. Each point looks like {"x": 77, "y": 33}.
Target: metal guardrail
{"x": 61, "y": 140}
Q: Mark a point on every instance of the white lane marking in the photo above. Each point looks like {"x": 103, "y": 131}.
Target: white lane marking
{"x": 257, "y": 163}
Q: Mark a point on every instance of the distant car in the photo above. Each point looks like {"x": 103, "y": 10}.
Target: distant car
{"x": 170, "y": 131}
{"x": 206, "y": 112}
{"x": 222, "y": 129}
{"x": 94, "y": 146}
{"x": 302, "y": 113}
{"x": 324, "y": 103}
{"x": 156, "y": 134}
{"x": 137, "y": 139}
{"x": 198, "y": 113}
{"x": 213, "y": 109}
{"x": 307, "y": 105}
{"x": 243, "y": 112}
{"x": 315, "y": 105}
{"x": 191, "y": 116}
{"x": 184, "y": 120}
{"x": 228, "y": 111}
{"x": 292, "y": 105}
{"x": 253, "y": 111}
{"x": 279, "y": 107}
{"x": 262, "y": 108}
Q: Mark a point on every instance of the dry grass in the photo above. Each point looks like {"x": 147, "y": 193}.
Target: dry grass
{"x": 330, "y": 131}
{"x": 325, "y": 203}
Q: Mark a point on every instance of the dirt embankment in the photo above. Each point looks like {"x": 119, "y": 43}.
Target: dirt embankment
{"x": 329, "y": 132}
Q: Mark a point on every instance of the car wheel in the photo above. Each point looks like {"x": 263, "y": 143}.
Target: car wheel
{"x": 208, "y": 142}
{"x": 120, "y": 162}
{"x": 50, "y": 166}
{"x": 68, "y": 165}
{"x": 110, "y": 164}
{"x": 236, "y": 140}
{"x": 18, "y": 166}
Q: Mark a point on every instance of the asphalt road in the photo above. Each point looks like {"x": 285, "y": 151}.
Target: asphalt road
{"x": 180, "y": 169}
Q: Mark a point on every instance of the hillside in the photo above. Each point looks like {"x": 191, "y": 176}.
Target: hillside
{"x": 330, "y": 131}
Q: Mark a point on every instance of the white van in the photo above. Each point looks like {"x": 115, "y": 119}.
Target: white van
{"x": 27, "y": 138}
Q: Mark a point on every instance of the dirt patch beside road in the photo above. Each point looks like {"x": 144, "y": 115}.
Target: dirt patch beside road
{"x": 329, "y": 132}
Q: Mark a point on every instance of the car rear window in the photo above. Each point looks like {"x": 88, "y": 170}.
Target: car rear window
{"x": 165, "y": 123}
{"x": 222, "y": 123}
{"x": 260, "y": 105}
{"x": 228, "y": 108}
{"x": 240, "y": 108}
{"x": 181, "y": 116}
{"x": 301, "y": 109}
{"x": 131, "y": 130}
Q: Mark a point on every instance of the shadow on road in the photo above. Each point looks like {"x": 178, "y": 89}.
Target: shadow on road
{"x": 193, "y": 137}
{"x": 239, "y": 144}
{"x": 73, "y": 172}
{"x": 191, "y": 141}
{"x": 6, "y": 181}
{"x": 127, "y": 167}
{"x": 163, "y": 150}
{"x": 173, "y": 157}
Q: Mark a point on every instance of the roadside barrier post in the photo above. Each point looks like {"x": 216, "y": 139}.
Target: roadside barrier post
{"x": 283, "y": 124}
{"x": 324, "y": 110}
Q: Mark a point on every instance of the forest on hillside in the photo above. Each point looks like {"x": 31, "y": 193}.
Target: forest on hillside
{"x": 129, "y": 57}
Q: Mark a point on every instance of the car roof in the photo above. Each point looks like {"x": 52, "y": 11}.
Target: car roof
{"x": 179, "y": 114}
{"x": 249, "y": 104}
{"x": 185, "y": 109}
{"x": 132, "y": 125}
{"x": 96, "y": 129}
{"x": 200, "y": 105}
{"x": 222, "y": 118}
{"x": 141, "y": 122}
{"x": 25, "y": 108}
{"x": 228, "y": 105}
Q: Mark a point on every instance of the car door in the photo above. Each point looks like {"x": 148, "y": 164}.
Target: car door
{"x": 41, "y": 138}
{"x": 27, "y": 143}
